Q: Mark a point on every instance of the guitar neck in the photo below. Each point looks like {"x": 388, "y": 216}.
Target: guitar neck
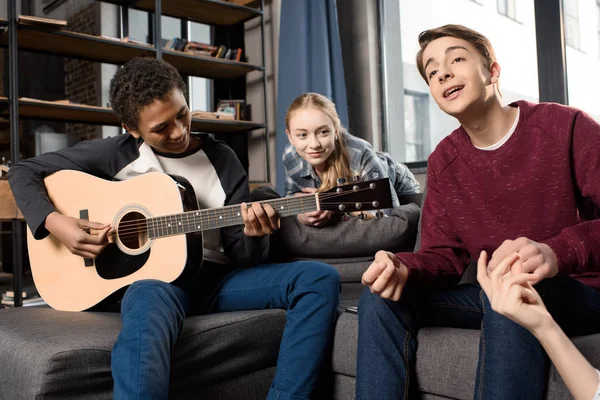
{"x": 213, "y": 218}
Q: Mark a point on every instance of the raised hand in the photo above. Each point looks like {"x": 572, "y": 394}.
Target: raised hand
{"x": 509, "y": 289}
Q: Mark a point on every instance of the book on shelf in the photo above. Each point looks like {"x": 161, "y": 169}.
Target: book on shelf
{"x": 212, "y": 115}
{"x": 204, "y": 49}
{"x": 39, "y": 21}
{"x": 30, "y": 297}
{"x": 27, "y": 292}
{"x": 239, "y": 109}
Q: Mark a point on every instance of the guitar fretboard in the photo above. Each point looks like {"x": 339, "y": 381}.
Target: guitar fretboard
{"x": 202, "y": 220}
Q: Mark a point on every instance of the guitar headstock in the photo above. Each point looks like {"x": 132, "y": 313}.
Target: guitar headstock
{"x": 357, "y": 196}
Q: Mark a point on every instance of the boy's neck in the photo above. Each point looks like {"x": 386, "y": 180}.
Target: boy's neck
{"x": 488, "y": 123}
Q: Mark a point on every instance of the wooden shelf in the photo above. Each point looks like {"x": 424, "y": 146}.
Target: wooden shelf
{"x": 51, "y": 111}
{"x": 98, "y": 49}
{"x": 76, "y": 45}
{"x": 208, "y": 67}
{"x": 210, "y": 12}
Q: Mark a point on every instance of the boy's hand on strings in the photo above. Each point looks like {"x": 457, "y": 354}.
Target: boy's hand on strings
{"x": 72, "y": 233}
{"x": 386, "y": 276}
{"x": 536, "y": 257}
{"x": 509, "y": 290}
{"x": 313, "y": 218}
{"x": 259, "y": 219}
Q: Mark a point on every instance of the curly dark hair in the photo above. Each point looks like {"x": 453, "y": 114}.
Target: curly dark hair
{"x": 138, "y": 83}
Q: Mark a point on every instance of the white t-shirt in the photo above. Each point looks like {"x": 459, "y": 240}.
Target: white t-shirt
{"x": 499, "y": 144}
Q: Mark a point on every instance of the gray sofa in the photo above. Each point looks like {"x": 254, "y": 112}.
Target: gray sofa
{"x": 46, "y": 354}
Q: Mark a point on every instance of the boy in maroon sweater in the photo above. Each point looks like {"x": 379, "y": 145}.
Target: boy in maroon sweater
{"x": 521, "y": 178}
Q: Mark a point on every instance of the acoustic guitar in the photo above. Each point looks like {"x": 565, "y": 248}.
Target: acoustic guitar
{"x": 156, "y": 230}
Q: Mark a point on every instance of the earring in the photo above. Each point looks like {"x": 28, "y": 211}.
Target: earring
{"x": 335, "y": 137}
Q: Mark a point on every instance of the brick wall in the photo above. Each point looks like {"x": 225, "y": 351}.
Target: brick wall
{"x": 82, "y": 77}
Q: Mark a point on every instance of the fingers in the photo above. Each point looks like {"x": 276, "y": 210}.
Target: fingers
{"x": 520, "y": 279}
{"x": 533, "y": 262}
{"x": 390, "y": 289}
{"x": 84, "y": 224}
{"x": 384, "y": 278}
{"x": 259, "y": 221}
{"x": 309, "y": 190}
{"x": 372, "y": 273}
{"x": 272, "y": 216}
{"x": 97, "y": 239}
{"x": 503, "y": 266}
{"x": 88, "y": 250}
{"x": 482, "y": 275}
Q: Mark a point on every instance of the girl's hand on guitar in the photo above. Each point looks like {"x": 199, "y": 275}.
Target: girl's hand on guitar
{"x": 259, "y": 220}
{"x": 313, "y": 218}
{"x": 74, "y": 234}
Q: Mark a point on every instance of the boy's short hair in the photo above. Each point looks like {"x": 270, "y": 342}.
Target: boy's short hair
{"x": 479, "y": 41}
{"x": 138, "y": 83}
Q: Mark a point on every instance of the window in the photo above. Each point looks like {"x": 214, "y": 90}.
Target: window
{"x": 571, "y": 17}
{"x": 416, "y": 119}
{"x": 508, "y": 8}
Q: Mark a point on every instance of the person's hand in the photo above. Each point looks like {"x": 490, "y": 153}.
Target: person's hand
{"x": 386, "y": 276}
{"x": 313, "y": 218}
{"x": 72, "y": 233}
{"x": 536, "y": 257}
{"x": 510, "y": 292}
{"x": 259, "y": 220}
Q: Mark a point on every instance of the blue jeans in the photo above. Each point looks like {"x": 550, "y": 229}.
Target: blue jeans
{"x": 512, "y": 363}
{"x": 153, "y": 313}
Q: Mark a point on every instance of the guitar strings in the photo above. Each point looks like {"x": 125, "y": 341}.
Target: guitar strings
{"x": 300, "y": 199}
{"x": 205, "y": 220}
{"x": 135, "y": 227}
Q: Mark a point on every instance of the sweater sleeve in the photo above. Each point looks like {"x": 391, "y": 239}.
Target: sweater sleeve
{"x": 442, "y": 258}
{"x": 99, "y": 157}
{"x": 577, "y": 247}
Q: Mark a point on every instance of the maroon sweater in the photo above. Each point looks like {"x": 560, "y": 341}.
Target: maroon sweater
{"x": 543, "y": 183}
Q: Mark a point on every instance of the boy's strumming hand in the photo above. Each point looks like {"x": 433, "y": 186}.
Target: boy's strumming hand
{"x": 536, "y": 257}
{"x": 72, "y": 233}
{"x": 386, "y": 276}
{"x": 510, "y": 292}
{"x": 259, "y": 220}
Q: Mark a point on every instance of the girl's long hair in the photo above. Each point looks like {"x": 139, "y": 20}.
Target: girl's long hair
{"x": 338, "y": 163}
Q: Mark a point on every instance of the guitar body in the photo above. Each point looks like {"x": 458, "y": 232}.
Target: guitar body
{"x": 63, "y": 279}
{"x": 156, "y": 228}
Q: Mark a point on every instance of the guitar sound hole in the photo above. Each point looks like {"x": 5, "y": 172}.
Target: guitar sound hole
{"x": 133, "y": 231}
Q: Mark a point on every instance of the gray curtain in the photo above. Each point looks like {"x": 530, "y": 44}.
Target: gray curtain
{"x": 310, "y": 60}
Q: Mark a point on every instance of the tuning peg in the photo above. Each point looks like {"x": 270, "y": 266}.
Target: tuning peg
{"x": 379, "y": 214}
{"x": 345, "y": 217}
{"x": 356, "y": 178}
{"x": 341, "y": 181}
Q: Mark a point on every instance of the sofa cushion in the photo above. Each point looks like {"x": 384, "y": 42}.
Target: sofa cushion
{"x": 352, "y": 238}
{"x": 446, "y": 360}
{"x": 63, "y": 355}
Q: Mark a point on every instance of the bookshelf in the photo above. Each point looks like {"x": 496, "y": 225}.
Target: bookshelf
{"x": 210, "y": 12}
{"x": 79, "y": 113}
{"x": 229, "y": 76}
{"x": 112, "y": 51}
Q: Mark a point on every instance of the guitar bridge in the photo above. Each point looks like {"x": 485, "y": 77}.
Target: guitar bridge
{"x": 83, "y": 214}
